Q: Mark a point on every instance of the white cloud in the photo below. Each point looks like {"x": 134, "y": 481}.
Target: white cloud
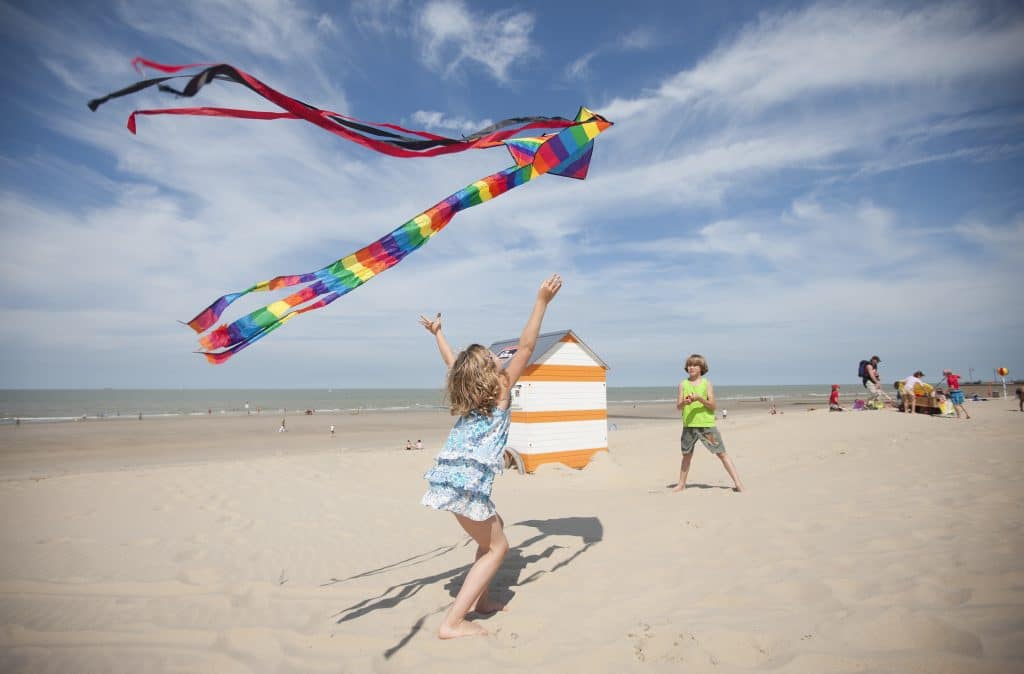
{"x": 581, "y": 66}
{"x": 674, "y": 209}
{"x": 279, "y": 29}
{"x": 827, "y": 49}
{"x": 380, "y": 16}
{"x": 638, "y": 39}
{"x": 432, "y": 119}
{"x": 451, "y": 34}
{"x": 1004, "y": 243}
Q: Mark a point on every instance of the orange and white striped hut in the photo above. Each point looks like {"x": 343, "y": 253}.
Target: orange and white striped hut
{"x": 560, "y": 404}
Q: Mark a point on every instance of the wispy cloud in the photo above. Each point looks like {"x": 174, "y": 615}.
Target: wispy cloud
{"x": 431, "y": 119}
{"x": 737, "y": 207}
{"x": 279, "y": 29}
{"x": 637, "y": 39}
{"x": 381, "y": 16}
{"x": 452, "y": 36}
{"x": 827, "y": 49}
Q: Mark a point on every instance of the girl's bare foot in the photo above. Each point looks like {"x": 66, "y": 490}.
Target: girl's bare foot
{"x": 488, "y": 607}
{"x": 463, "y": 629}
{"x": 679, "y": 487}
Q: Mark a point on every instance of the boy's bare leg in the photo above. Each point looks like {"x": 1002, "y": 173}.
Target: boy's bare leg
{"x": 684, "y": 468}
{"x": 731, "y": 469}
{"x": 490, "y": 537}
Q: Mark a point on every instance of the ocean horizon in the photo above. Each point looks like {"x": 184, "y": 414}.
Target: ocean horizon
{"x": 55, "y": 405}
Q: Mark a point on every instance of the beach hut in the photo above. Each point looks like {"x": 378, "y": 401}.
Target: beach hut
{"x": 560, "y": 404}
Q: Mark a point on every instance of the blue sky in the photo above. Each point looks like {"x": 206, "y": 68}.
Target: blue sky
{"x": 788, "y": 188}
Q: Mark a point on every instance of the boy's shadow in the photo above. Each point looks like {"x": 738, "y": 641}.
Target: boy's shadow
{"x": 588, "y": 529}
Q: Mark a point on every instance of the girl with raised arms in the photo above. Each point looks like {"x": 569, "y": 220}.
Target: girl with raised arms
{"x": 464, "y": 471}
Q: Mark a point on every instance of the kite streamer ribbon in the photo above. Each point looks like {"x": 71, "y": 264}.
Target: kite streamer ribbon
{"x": 566, "y": 153}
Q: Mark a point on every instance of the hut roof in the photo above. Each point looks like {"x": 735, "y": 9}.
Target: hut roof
{"x": 545, "y": 343}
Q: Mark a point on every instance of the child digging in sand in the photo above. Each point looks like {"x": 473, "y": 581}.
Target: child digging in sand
{"x": 696, "y": 399}
{"x": 464, "y": 471}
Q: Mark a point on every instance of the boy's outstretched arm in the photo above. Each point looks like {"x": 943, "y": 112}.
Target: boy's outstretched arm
{"x": 434, "y": 328}
{"x": 528, "y": 340}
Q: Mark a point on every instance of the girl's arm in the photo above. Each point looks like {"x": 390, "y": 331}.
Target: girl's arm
{"x": 528, "y": 340}
{"x": 434, "y": 328}
{"x": 708, "y": 402}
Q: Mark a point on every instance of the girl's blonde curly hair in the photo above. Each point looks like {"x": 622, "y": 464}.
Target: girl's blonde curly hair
{"x": 474, "y": 382}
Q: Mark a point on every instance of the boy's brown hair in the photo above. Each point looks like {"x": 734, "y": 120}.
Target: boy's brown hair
{"x": 697, "y": 359}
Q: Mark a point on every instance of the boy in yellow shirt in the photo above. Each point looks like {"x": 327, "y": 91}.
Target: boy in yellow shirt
{"x": 696, "y": 399}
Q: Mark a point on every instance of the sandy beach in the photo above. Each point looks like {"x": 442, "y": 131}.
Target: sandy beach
{"x": 866, "y": 542}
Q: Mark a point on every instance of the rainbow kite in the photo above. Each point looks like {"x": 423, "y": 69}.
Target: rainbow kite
{"x": 566, "y": 153}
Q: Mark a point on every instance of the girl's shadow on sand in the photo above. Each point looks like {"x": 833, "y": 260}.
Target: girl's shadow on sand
{"x": 700, "y": 485}
{"x": 587, "y": 529}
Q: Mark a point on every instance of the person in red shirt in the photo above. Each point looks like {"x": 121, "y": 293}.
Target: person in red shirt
{"x": 833, "y": 400}
{"x": 956, "y": 396}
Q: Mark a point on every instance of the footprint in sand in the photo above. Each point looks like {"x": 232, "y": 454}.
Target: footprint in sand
{"x": 201, "y": 576}
{"x": 709, "y": 647}
{"x": 193, "y": 555}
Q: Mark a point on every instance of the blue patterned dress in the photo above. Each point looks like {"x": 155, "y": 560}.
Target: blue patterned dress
{"x": 464, "y": 471}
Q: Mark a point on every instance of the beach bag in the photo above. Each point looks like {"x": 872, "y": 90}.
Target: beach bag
{"x": 923, "y": 390}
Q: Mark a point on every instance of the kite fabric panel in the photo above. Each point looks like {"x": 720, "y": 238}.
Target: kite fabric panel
{"x": 566, "y": 151}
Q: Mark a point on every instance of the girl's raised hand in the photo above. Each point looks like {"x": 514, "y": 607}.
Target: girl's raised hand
{"x": 432, "y": 326}
{"x": 550, "y": 288}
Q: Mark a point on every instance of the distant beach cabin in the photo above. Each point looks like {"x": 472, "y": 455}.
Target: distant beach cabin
{"x": 560, "y": 404}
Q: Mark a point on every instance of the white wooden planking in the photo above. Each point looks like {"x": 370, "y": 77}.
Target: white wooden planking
{"x": 551, "y": 396}
{"x": 566, "y": 353}
{"x": 560, "y": 436}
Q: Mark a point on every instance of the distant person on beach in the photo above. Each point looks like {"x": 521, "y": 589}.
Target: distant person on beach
{"x": 909, "y": 396}
{"x": 419, "y": 444}
{"x": 282, "y": 429}
{"x": 332, "y": 429}
{"x": 1020, "y": 398}
{"x": 956, "y": 396}
{"x": 478, "y": 390}
{"x": 408, "y": 445}
{"x": 696, "y": 400}
{"x": 868, "y": 372}
{"x": 833, "y": 399}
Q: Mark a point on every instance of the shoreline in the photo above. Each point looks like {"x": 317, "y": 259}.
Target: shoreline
{"x": 44, "y": 450}
{"x": 75, "y": 406}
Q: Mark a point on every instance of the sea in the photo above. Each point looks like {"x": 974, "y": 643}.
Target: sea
{"x": 59, "y": 405}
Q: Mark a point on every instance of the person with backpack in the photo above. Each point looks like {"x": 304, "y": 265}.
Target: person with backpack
{"x": 868, "y": 373}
